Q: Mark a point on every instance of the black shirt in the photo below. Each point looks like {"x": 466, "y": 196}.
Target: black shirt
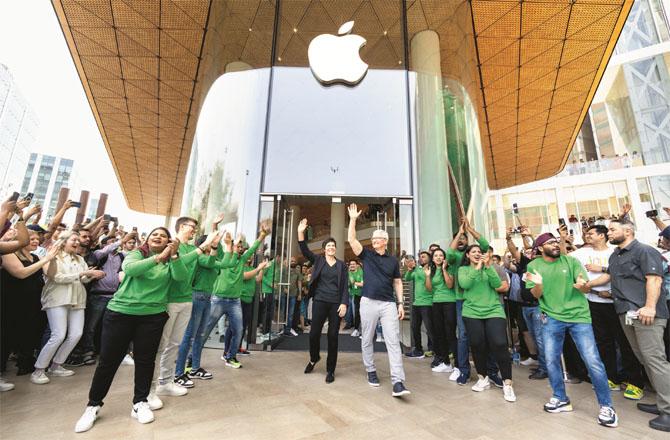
{"x": 628, "y": 268}
{"x": 522, "y": 268}
{"x": 327, "y": 290}
{"x": 379, "y": 271}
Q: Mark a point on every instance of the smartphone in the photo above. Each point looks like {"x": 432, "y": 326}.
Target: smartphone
{"x": 14, "y": 197}
{"x": 561, "y": 221}
{"x": 515, "y": 209}
{"x": 572, "y": 232}
{"x": 107, "y": 217}
{"x": 134, "y": 228}
{"x": 29, "y": 197}
{"x": 76, "y": 204}
{"x": 115, "y": 219}
{"x": 652, "y": 214}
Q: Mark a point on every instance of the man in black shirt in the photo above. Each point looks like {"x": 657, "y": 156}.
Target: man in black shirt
{"x": 382, "y": 301}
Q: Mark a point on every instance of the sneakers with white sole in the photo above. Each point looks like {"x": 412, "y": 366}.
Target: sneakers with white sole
{"x": 443, "y": 368}
{"x": 171, "y": 389}
{"x": 39, "y": 377}
{"x": 87, "y": 419}
{"x": 142, "y": 412}
{"x": 154, "y": 401}
{"x": 482, "y": 384}
{"x": 529, "y": 362}
{"x": 556, "y": 405}
{"x": 455, "y": 375}
{"x": 59, "y": 371}
{"x": 607, "y": 417}
{"x": 5, "y": 386}
{"x": 355, "y": 333}
{"x": 508, "y": 393}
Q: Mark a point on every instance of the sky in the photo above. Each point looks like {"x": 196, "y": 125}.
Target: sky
{"x": 35, "y": 51}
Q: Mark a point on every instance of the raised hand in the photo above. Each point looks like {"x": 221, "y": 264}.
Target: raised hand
{"x": 625, "y": 209}
{"x": 563, "y": 232}
{"x": 525, "y": 231}
{"x": 666, "y": 209}
{"x": 227, "y": 238}
{"x": 8, "y": 206}
{"x": 172, "y": 247}
{"x": 21, "y": 204}
{"x": 266, "y": 228}
{"x": 32, "y": 211}
{"x": 426, "y": 270}
{"x": 302, "y": 226}
{"x": 354, "y": 212}
{"x": 52, "y": 253}
{"x": 218, "y": 219}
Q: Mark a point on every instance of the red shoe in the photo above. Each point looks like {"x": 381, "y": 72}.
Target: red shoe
{"x": 243, "y": 352}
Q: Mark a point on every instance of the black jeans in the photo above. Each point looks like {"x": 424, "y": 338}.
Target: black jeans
{"x": 320, "y": 312}
{"x": 247, "y": 309}
{"x": 444, "y": 329}
{"x": 608, "y": 333}
{"x": 268, "y": 311}
{"x": 118, "y": 331}
{"x": 357, "y": 312}
{"x": 421, "y": 314}
{"x": 22, "y": 325}
{"x": 489, "y": 336}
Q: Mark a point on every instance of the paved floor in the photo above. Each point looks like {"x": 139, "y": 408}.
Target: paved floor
{"x": 271, "y": 398}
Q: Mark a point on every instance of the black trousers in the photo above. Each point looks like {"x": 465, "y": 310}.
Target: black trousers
{"x": 357, "y": 312}
{"x": 22, "y": 323}
{"x": 268, "y": 311}
{"x": 489, "y": 337}
{"x": 421, "y": 315}
{"x": 608, "y": 333}
{"x": 444, "y": 329}
{"x": 118, "y": 331}
{"x": 320, "y": 312}
{"x": 247, "y": 310}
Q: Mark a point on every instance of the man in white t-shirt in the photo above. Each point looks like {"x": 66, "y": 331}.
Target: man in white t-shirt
{"x": 606, "y": 325}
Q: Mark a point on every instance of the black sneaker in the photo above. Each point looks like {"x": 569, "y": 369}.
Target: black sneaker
{"x": 373, "y": 380}
{"x": 73, "y": 361}
{"x": 330, "y": 377}
{"x": 200, "y": 373}
{"x": 415, "y": 354}
{"x": 184, "y": 381}
{"x": 89, "y": 359}
{"x": 538, "y": 375}
{"x": 399, "y": 390}
{"x": 496, "y": 380}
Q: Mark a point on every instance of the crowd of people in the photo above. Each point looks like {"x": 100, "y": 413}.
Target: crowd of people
{"x": 94, "y": 294}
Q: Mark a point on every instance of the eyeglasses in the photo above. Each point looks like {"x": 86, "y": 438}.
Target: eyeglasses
{"x": 191, "y": 225}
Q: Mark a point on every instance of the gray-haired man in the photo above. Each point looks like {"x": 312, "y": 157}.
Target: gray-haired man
{"x": 382, "y": 301}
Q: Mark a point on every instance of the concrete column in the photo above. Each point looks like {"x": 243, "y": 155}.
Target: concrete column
{"x": 337, "y": 217}
{"x": 81, "y": 211}
{"x": 62, "y": 197}
{"x": 295, "y": 251}
{"x": 432, "y": 180}
{"x": 102, "y": 205}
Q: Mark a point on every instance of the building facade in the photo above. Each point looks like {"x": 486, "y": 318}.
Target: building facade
{"x": 622, "y": 153}
{"x": 18, "y": 132}
{"x": 44, "y": 177}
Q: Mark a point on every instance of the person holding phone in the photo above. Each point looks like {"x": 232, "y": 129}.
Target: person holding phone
{"x": 64, "y": 301}
{"x": 329, "y": 290}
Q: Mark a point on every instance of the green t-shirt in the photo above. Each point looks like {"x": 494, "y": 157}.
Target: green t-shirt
{"x": 229, "y": 282}
{"x": 248, "y": 286}
{"x": 454, "y": 258}
{"x": 144, "y": 290}
{"x": 441, "y": 293}
{"x": 422, "y": 296}
{"x": 182, "y": 291}
{"x": 205, "y": 274}
{"x": 481, "y": 299}
{"x": 560, "y": 300}
{"x": 355, "y": 277}
{"x": 267, "y": 283}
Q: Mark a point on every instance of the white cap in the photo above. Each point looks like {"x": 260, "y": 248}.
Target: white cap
{"x": 380, "y": 233}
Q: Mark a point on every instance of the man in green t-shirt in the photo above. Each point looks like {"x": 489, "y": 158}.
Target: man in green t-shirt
{"x": 290, "y": 295}
{"x": 267, "y": 295}
{"x": 559, "y": 283}
{"x": 422, "y": 306}
{"x": 355, "y": 287}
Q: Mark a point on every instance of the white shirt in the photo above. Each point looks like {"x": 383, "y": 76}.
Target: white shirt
{"x": 588, "y": 255}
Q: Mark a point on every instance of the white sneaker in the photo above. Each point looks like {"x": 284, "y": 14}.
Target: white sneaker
{"x": 442, "y": 368}
{"x": 170, "y": 389}
{"x": 293, "y": 332}
{"x": 154, "y": 401}
{"x": 87, "y": 419}
{"x": 39, "y": 378}
{"x": 5, "y": 386}
{"x": 127, "y": 360}
{"x": 142, "y": 412}
{"x": 380, "y": 338}
{"x": 59, "y": 371}
{"x": 455, "y": 375}
{"x": 355, "y": 333}
{"x": 508, "y": 393}
{"x": 529, "y": 362}
{"x": 482, "y": 384}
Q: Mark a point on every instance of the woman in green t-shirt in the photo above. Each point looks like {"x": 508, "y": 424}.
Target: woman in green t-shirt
{"x": 137, "y": 314}
{"x": 422, "y": 305}
{"x": 441, "y": 284}
{"x": 484, "y": 318}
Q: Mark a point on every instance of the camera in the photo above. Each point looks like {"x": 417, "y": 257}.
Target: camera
{"x": 652, "y": 214}
{"x": 76, "y": 204}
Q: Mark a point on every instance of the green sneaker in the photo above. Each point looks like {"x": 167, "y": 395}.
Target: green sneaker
{"x": 633, "y": 393}
{"x": 233, "y": 363}
{"x": 613, "y": 386}
{"x": 428, "y": 354}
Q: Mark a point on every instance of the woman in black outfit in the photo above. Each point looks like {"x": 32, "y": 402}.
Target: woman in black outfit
{"x": 329, "y": 290}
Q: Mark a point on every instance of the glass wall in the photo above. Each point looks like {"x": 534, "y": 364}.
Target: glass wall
{"x": 537, "y": 210}
{"x": 596, "y": 200}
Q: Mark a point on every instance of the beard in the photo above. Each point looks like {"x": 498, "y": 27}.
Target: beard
{"x": 553, "y": 253}
{"x": 617, "y": 240}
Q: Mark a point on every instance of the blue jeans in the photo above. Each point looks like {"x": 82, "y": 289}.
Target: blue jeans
{"x": 553, "y": 332}
{"x": 462, "y": 348}
{"x": 533, "y": 318}
{"x": 349, "y": 317}
{"x": 193, "y": 336}
{"x": 232, "y": 308}
{"x": 289, "y": 312}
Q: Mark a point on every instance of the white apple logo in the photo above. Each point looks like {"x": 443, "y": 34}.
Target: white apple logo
{"x": 336, "y": 59}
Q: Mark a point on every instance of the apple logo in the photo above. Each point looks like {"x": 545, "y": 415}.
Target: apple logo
{"x": 335, "y": 59}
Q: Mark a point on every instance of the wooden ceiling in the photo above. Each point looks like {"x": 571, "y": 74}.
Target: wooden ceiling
{"x": 531, "y": 68}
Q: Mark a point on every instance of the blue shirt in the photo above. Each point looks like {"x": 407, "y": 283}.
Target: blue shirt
{"x": 379, "y": 271}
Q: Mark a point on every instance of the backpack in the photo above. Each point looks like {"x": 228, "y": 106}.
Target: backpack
{"x": 514, "y": 293}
